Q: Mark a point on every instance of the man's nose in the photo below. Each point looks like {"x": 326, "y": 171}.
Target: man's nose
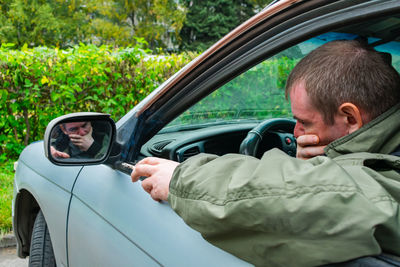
{"x": 81, "y": 131}
{"x": 298, "y": 130}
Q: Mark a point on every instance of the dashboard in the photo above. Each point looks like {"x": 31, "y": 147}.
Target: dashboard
{"x": 218, "y": 140}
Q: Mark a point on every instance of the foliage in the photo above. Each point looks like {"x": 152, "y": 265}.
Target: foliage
{"x": 39, "y": 84}
{"x": 117, "y": 21}
{"x": 163, "y": 24}
{"x": 66, "y": 23}
{"x": 6, "y": 193}
{"x": 208, "y": 21}
{"x": 42, "y": 22}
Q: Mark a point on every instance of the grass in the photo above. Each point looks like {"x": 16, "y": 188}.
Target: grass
{"x": 6, "y": 194}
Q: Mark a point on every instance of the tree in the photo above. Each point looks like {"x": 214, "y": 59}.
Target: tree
{"x": 209, "y": 20}
{"x": 119, "y": 21}
{"x": 67, "y": 22}
{"x": 41, "y": 22}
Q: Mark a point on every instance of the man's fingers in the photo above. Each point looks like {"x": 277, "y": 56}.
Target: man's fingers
{"x": 63, "y": 155}
{"x": 154, "y": 196}
{"x": 307, "y": 140}
{"x": 145, "y": 167}
{"x": 159, "y": 172}
{"x": 58, "y": 154}
{"x": 307, "y": 146}
{"x": 74, "y": 136}
{"x": 75, "y": 139}
{"x": 141, "y": 170}
{"x": 309, "y": 152}
{"x": 147, "y": 185}
{"x": 151, "y": 161}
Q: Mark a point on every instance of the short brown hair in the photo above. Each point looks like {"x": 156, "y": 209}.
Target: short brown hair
{"x": 347, "y": 71}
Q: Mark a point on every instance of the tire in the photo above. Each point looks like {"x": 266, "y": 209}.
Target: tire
{"x": 41, "y": 251}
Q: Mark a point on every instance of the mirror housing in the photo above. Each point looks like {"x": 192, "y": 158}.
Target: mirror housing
{"x": 83, "y": 138}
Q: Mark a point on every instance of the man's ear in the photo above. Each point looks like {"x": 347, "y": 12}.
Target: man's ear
{"x": 352, "y": 115}
{"x": 63, "y": 129}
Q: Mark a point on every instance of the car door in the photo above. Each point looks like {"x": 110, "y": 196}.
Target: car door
{"x": 113, "y": 222}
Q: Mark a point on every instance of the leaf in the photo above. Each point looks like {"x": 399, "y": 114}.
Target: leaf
{"x": 44, "y": 80}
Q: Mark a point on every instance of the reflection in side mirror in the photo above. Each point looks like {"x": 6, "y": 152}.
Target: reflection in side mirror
{"x": 79, "y": 139}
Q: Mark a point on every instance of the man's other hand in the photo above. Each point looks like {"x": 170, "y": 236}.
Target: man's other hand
{"x": 83, "y": 142}
{"x": 158, "y": 172}
{"x": 307, "y": 147}
{"x": 58, "y": 154}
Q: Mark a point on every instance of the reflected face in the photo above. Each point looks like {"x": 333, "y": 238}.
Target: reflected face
{"x": 310, "y": 120}
{"x": 79, "y": 128}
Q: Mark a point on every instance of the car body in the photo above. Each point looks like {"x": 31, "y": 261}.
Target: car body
{"x": 97, "y": 217}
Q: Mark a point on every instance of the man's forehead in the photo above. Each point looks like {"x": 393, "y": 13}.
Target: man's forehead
{"x": 302, "y": 107}
{"x": 70, "y": 125}
{"x": 299, "y": 98}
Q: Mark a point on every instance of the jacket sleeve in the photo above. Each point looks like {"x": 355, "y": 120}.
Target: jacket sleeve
{"x": 277, "y": 211}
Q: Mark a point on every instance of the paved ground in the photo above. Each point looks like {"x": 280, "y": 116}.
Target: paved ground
{"x": 8, "y": 258}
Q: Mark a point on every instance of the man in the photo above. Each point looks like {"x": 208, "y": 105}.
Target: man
{"x": 77, "y": 139}
{"x": 282, "y": 211}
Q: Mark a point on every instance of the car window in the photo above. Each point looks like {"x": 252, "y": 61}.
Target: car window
{"x": 256, "y": 94}
{"x": 259, "y": 93}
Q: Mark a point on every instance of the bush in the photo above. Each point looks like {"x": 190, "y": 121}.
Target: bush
{"x": 6, "y": 195}
{"x": 39, "y": 84}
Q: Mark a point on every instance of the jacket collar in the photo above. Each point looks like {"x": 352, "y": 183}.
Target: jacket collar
{"x": 381, "y": 135}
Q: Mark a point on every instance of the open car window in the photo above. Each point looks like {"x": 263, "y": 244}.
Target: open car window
{"x": 254, "y": 95}
{"x": 259, "y": 93}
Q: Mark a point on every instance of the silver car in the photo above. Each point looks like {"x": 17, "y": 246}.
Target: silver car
{"x": 81, "y": 208}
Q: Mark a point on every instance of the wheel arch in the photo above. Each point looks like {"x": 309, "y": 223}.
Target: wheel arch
{"x": 26, "y": 209}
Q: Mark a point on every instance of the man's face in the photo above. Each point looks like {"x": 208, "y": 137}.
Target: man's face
{"x": 80, "y": 128}
{"x": 310, "y": 120}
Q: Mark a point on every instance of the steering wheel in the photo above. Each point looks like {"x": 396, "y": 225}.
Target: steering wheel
{"x": 268, "y": 134}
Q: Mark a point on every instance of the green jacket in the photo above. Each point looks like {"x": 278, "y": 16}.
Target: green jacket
{"x": 282, "y": 211}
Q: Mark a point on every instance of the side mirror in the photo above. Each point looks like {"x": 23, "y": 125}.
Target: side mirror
{"x": 82, "y": 138}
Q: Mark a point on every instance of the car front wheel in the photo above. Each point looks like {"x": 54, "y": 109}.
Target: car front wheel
{"x": 41, "y": 251}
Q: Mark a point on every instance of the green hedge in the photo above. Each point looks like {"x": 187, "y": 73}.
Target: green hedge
{"x": 6, "y": 195}
{"x": 39, "y": 84}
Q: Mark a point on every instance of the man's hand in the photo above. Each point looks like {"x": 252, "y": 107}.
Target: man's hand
{"x": 307, "y": 147}
{"x": 159, "y": 172}
{"x": 83, "y": 142}
{"x": 58, "y": 154}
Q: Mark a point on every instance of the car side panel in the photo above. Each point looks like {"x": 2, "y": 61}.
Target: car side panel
{"x": 62, "y": 176}
{"x": 50, "y": 185}
{"x": 95, "y": 242}
{"x": 147, "y": 226}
